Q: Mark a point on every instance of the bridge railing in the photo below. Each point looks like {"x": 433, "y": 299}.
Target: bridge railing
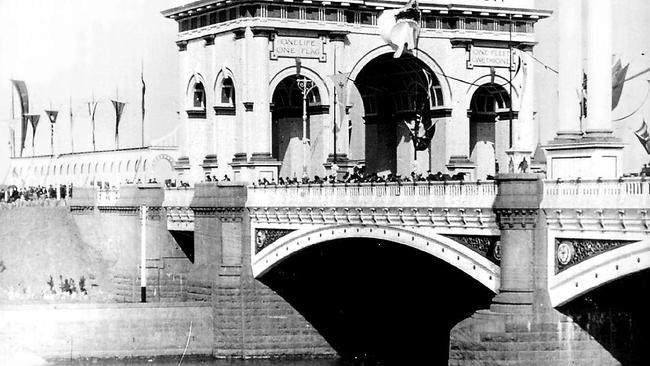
{"x": 420, "y": 194}
{"x": 597, "y": 193}
{"x": 108, "y": 197}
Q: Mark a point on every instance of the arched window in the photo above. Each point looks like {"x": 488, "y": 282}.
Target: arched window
{"x": 198, "y": 96}
{"x": 227, "y": 92}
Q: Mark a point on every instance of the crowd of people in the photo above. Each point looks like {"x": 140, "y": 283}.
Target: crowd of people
{"x": 12, "y": 194}
{"x": 359, "y": 175}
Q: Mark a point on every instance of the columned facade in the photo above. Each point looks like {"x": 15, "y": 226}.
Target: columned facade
{"x": 412, "y": 113}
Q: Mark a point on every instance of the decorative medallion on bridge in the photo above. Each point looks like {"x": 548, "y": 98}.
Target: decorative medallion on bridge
{"x": 570, "y": 252}
{"x": 266, "y": 237}
{"x": 487, "y": 246}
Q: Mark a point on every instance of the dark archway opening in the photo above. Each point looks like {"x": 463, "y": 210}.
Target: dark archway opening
{"x": 287, "y": 125}
{"x": 378, "y": 301}
{"x": 394, "y": 91}
{"x": 489, "y": 119}
{"x": 617, "y": 315}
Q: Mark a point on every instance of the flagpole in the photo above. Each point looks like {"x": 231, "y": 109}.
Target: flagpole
{"x": 71, "y": 127}
{"x": 117, "y": 142}
{"x": 143, "y": 90}
{"x": 51, "y": 131}
{"x": 510, "y": 81}
{"x": 13, "y": 117}
{"x": 334, "y": 124}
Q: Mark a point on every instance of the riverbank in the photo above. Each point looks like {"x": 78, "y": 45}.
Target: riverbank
{"x": 73, "y": 331}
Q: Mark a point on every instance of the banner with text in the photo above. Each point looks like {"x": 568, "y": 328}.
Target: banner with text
{"x": 299, "y": 47}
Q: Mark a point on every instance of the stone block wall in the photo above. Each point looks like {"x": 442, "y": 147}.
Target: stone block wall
{"x": 66, "y": 331}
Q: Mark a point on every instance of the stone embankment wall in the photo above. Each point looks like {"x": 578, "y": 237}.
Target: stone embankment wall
{"x": 66, "y": 331}
{"x": 232, "y": 315}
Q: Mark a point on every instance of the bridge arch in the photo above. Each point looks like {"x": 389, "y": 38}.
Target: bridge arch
{"x": 445, "y": 249}
{"x": 598, "y": 271}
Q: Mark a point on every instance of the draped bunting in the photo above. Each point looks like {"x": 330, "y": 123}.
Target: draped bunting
{"x": 52, "y": 115}
{"x": 21, "y": 87}
{"x": 643, "y": 136}
{"x": 119, "y": 107}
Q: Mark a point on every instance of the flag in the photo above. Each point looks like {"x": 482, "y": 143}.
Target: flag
{"x": 298, "y": 66}
{"x": 119, "y": 107}
{"x": 618, "y": 80}
{"x": 643, "y": 136}
{"x": 33, "y": 119}
{"x": 52, "y": 116}
{"x": 21, "y": 87}
{"x": 340, "y": 86}
{"x": 144, "y": 87}
{"x": 400, "y": 28}
{"x": 92, "y": 107}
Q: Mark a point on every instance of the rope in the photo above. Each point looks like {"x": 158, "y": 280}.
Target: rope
{"x": 186, "y": 344}
{"x": 638, "y": 108}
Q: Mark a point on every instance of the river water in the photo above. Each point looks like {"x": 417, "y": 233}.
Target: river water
{"x": 174, "y": 361}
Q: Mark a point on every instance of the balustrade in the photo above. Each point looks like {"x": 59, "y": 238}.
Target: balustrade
{"x": 597, "y": 193}
{"x": 420, "y": 194}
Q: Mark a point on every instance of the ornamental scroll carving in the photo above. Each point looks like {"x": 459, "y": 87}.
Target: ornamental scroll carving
{"x": 569, "y": 252}
{"x": 487, "y": 246}
{"x": 266, "y": 237}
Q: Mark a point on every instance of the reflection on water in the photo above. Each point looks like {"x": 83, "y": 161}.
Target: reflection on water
{"x": 194, "y": 361}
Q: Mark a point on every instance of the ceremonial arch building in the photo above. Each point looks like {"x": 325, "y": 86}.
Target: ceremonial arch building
{"x": 286, "y": 89}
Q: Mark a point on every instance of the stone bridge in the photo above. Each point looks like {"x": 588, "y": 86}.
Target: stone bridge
{"x": 551, "y": 265}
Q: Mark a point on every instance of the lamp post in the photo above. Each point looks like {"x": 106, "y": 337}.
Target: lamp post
{"x": 305, "y": 85}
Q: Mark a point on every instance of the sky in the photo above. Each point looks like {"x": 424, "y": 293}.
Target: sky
{"x": 69, "y": 52}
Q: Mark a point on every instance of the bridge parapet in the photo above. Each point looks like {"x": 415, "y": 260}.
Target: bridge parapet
{"x": 598, "y": 231}
{"x": 450, "y": 205}
{"x": 597, "y": 193}
{"x": 421, "y": 194}
{"x": 604, "y": 205}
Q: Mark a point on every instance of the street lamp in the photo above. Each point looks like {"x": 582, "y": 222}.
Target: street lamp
{"x": 305, "y": 85}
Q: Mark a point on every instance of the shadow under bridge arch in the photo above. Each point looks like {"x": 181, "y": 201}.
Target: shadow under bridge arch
{"x": 378, "y": 293}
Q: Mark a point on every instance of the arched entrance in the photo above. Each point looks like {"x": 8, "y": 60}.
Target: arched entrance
{"x": 378, "y": 300}
{"x": 399, "y": 96}
{"x": 489, "y": 129}
{"x": 297, "y": 146}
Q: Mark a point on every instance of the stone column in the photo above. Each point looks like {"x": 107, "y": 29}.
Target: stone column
{"x": 517, "y": 209}
{"x": 338, "y": 113}
{"x": 242, "y": 119}
{"x": 456, "y": 128}
{"x": 184, "y": 127}
{"x": 599, "y": 63}
{"x": 260, "y": 125}
{"x": 256, "y": 134}
{"x": 570, "y": 69}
